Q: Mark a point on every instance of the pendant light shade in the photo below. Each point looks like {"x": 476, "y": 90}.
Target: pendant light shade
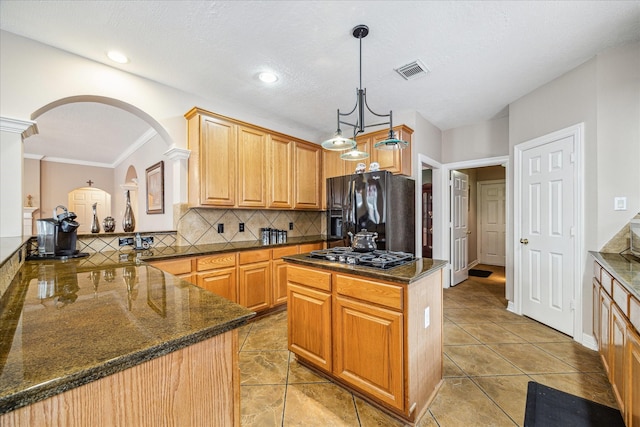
{"x": 338, "y": 142}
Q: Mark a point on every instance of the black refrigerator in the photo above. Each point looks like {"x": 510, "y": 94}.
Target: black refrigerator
{"x": 378, "y": 202}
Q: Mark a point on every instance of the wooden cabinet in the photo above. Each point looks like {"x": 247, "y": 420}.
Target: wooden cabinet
{"x": 237, "y": 165}
{"x": 217, "y": 274}
{"x": 632, "y": 372}
{"x": 254, "y": 279}
{"x": 279, "y": 275}
{"x": 309, "y": 315}
{"x": 595, "y": 306}
{"x": 252, "y": 167}
{"x": 369, "y": 335}
{"x": 605, "y": 327}
{"x": 394, "y": 161}
{"x": 178, "y": 267}
{"x": 308, "y": 176}
{"x": 616, "y": 355}
{"x": 281, "y": 172}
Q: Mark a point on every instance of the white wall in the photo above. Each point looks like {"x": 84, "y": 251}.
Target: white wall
{"x": 478, "y": 141}
{"x": 10, "y": 184}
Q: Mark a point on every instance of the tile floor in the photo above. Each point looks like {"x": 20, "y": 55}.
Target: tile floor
{"x": 490, "y": 355}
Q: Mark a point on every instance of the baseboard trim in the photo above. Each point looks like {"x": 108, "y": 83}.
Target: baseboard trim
{"x": 590, "y": 342}
{"x": 511, "y": 307}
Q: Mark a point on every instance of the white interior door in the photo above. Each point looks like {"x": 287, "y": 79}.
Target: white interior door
{"x": 80, "y": 202}
{"x": 492, "y": 223}
{"x": 459, "y": 226}
{"x": 547, "y": 231}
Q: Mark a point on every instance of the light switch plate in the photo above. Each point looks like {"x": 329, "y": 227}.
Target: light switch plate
{"x": 619, "y": 203}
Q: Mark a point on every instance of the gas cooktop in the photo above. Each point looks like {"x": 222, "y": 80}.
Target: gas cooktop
{"x": 377, "y": 259}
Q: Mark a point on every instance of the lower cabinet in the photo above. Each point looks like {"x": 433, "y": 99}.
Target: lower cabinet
{"x": 254, "y": 284}
{"x": 632, "y": 388}
{"x": 220, "y": 281}
{"x": 279, "y": 273}
{"x": 605, "y": 327}
{"x": 616, "y": 357}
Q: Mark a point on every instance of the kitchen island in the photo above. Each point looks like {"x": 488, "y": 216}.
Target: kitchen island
{"x": 376, "y": 332}
{"x": 111, "y": 340}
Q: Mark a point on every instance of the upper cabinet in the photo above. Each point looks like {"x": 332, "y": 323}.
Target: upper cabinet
{"x": 237, "y": 165}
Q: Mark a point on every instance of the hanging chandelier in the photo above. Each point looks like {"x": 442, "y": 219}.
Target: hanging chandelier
{"x": 341, "y": 143}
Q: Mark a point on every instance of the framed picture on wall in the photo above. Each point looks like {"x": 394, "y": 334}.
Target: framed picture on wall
{"x": 155, "y": 188}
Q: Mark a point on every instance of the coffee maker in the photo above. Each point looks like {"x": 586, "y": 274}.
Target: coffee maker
{"x": 57, "y": 236}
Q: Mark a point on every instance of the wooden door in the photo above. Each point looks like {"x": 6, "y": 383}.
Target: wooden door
{"x": 309, "y": 324}
{"x": 221, "y": 282}
{"x": 547, "y": 217}
{"x": 216, "y": 174}
{"x": 280, "y": 172}
{"x": 308, "y": 173}
{"x": 254, "y": 285}
{"x": 368, "y": 349}
{"x": 252, "y": 167}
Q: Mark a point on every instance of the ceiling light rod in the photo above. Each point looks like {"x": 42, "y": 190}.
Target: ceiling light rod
{"x": 341, "y": 143}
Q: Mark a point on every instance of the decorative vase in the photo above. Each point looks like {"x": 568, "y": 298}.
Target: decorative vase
{"x": 128, "y": 221}
{"x": 95, "y": 224}
{"x": 109, "y": 224}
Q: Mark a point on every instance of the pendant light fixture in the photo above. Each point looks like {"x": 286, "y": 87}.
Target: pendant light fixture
{"x": 338, "y": 142}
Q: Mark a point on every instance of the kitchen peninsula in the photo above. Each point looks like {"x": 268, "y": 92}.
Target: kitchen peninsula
{"x": 378, "y": 332}
{"x": 111, "y": 340}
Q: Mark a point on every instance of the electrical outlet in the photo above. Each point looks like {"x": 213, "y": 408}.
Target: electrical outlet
{"x": 290, "y": 226}
{"x": 241, "y": 227}
{"x": 220, "y": 228}
{"x": 426, "y": 318}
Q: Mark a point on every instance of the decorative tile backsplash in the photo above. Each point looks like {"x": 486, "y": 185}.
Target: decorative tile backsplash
{"x": 198, "y": 226}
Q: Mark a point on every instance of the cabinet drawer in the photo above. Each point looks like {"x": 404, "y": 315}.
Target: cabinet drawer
{"x": 606, "y": 280}
{"x": 621, "y": 297}
{"x": 216, "y": 261}
{"x": 307, "y": 277}
{"x": 249, "y": 257}
{"x": 308, "y": 247}
{"x": 634, "y": 313}
{"x": 596, "y": 270}
{"x": 175, "y": 266}
{"x": 284, "y": 251}
{"x": 365, "y": 290}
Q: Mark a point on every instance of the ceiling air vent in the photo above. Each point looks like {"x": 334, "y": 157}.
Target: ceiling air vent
{"x": 413, "y": 70}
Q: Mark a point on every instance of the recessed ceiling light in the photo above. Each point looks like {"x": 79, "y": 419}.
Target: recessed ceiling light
{"x": 118, "y": 57}
{"x": 268, "y": 77}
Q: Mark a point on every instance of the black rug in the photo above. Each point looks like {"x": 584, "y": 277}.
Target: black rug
{"x": 548, "y": 407}
{"x": 479, "y": 273}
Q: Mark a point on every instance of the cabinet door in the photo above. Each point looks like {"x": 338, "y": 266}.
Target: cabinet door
{"x": 254, "y": 285}
{"x": 280, "y": 172}
{"x": 368, "y": 349}
{"x": 252, "y": 167}
{"x": 395, "y": 161}
{"x": 605, "y": 326}
{"x": 279, "y": 277}
{"x": 632, "y": 375}
{"x": 221, "y": 282}
{"x": 307, "y": 172}
{"x": 616, "y": 361}
{"x": 309, "y": 324}
{"x": 332, "y": 166}
{"x": 596, "y": 310}
{"x": 218, "y": 156}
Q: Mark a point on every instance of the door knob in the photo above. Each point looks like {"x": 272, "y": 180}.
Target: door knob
{"x": 524, "y": 241}
{"x": 468, "y": 232}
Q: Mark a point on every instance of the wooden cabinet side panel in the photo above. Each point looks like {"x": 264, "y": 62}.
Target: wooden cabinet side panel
{"x": 280, "y": 173}
{"x": 198, "y": 385}
{"x": 252, "y": 167}
{"x": 632, "y": 374}
{"x": 368, "y": 343}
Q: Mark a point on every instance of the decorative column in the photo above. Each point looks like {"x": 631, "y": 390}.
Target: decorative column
{"x": 27, "y": 221}
{"x": 180, "y": 173}
{"x": 12, "y": 133}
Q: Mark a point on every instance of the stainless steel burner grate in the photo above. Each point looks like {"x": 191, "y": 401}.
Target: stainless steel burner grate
{"x": 378, "y": 259}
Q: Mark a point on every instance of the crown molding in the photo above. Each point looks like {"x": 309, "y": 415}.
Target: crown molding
{"x": 33, "y": 156}
{"x": 143, "y": 139}
{"x": 24, "y": 127}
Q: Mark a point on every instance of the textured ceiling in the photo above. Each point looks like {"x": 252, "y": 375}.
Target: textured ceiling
{"x": 482, "y": 55}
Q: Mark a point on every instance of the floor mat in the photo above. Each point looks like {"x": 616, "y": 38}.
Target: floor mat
{"x": 479, "y": 273}
{"x": 548, "y": 407}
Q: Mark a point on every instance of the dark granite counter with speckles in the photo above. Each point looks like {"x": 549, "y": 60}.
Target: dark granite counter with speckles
{"x": 404, "y": 274}
{"x": 624, "y": 268}
{"x": 67, "y": 323}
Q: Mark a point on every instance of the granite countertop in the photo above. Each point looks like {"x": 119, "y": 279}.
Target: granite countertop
{"x": 404, "y": 274}
{"x": 67, "y": 323}
{"x": 624, "y": 268}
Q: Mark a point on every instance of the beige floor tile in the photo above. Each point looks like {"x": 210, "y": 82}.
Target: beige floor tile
{"x": 299, "y": 374}
{"x": 509, "y": 392}
{"x": 455, "y": 335}
{"x": 323, "y": 404}
{"x": 460, "y": 402}
{"x": 263, "y": 367}
{"x": 370, "y": 416}
{"x": 476, "y": 360}
{"x": 490, "y": 333}
{"x": 576, "y": 355}
{"x": 530, "y": 359}
{"x": 261, "y": 406}
{"x": 450, "y": 369}
{"x": 464, "y": 315}
{"x": 535, "y": 332}
{"x": 266, "y": 337}
{"x": 593, "y": 387}
{"x": 427, "y": 420}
